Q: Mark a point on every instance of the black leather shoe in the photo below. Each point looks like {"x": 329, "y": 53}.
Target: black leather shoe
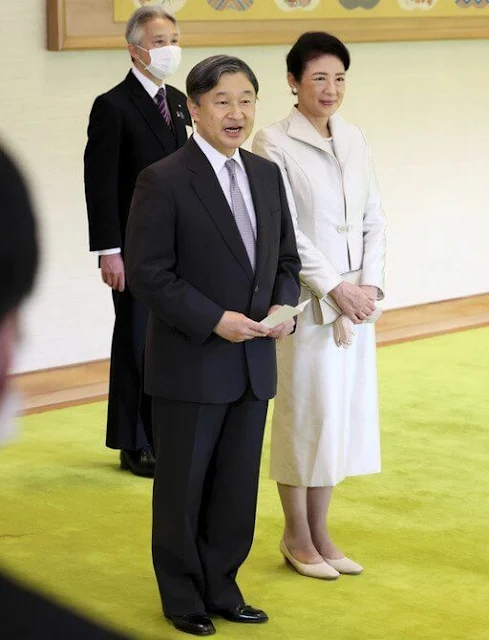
{"x": 243, "y": 613}
{"x": 199, "y": 624}
{"x": 140, "y": 462}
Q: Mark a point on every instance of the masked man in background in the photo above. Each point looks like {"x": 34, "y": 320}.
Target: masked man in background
{"x": 135, "y": 124}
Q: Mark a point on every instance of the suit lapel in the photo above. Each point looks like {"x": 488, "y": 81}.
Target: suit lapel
{"x": 179, "y": 114}
{"x": 143, "y": 103}
{"x": 262, "y": 210}
{"x": 208, "y": 189}
{"x": 342, "y": 139}
{"x": 301, "y": 129}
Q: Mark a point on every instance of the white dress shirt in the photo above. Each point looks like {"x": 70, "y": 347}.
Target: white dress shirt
{"x": 218, "y": 161}
{"x": 148, "y": 84}
{"x": 152, "y": 90}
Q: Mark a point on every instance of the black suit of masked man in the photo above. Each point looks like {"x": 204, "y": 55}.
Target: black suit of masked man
{"x": 135, "y": 124}
{"x": 210, "y": 249}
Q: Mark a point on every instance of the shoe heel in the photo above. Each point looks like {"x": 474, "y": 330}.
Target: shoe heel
{"x": 124, "y": 465}
{"x": 320, "y": 570}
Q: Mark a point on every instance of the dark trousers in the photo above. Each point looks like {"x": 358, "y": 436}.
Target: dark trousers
{"x": 204, "y": 499}
{"x": 129, "y": 408}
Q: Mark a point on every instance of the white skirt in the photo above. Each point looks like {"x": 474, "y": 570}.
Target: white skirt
{"x": 325, "y": 424}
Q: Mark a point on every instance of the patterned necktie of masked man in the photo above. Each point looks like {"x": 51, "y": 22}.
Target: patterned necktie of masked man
{"x": 162, "y": 105}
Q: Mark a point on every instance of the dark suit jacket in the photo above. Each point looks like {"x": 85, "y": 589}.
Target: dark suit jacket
{"x": 186, "y": 261}
{"x": 126, "y": 133}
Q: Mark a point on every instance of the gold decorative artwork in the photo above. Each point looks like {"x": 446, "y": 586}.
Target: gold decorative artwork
{"x": 229, "y": 10}
{"x": 78, "y": 24}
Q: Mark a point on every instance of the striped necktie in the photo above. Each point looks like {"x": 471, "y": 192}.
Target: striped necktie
{"x": 240, "y": 213}
{"x": 162, "y": 105}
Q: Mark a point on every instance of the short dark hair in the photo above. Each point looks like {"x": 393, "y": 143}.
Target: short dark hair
{"x": 206, "y": 74}
{"x": 19, "y": 251}
{"x": 312, "y": 45}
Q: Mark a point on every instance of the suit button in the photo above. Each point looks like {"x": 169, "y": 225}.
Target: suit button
{"x": 340, "y": 229}
{"x": 257, "y": 288}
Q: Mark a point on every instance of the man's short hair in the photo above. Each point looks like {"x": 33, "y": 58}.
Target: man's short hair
{"x": 19, "y": 251}
{"x": 135, "y": 26}
{"x": 206, "y": 74}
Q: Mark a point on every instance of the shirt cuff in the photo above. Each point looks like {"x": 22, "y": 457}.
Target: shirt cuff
{"x": 107, "y": 252}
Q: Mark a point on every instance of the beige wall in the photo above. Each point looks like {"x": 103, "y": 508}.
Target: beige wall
{"x": 422, "y": 105}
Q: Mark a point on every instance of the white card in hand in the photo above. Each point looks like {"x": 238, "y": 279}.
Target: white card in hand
{"x": 286, "y": 312}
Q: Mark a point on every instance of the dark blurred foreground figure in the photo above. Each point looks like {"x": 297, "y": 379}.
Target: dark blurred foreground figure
{"x": 24, "y": 615}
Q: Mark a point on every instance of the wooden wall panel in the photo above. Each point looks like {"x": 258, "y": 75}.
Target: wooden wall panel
{"x": 89, "y": 24}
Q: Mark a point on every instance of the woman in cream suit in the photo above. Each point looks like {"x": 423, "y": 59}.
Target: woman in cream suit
{"x": 326, "y": 424}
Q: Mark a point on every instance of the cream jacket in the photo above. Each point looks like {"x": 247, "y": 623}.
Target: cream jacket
{"x": 334, "y": 201}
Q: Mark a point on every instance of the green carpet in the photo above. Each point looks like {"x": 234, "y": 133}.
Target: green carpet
{"x": 75, "y": 526}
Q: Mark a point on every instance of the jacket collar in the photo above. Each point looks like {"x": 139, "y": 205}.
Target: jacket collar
{"x": 210, "y": 193}
{"x": 215, "y": 157}
{"x": 150, "y": 113}
{"x": 151, "y": 87}
{"x": 299, "y": 128}
{"x": 179, "y": 114}
{"x": 207, "y": 187}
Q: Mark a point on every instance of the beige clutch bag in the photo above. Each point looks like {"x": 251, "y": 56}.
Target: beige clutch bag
{"x": 325, "y": 310}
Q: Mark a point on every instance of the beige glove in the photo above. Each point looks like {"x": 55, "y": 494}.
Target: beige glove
{"x": 343, "y": 331}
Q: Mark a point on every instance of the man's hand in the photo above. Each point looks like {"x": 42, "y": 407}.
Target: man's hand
{"x": 236, "y": 327}
{"x": 281, "y": 330}
{"x": 353, "y": 300}
{"x": 112, "y": 269}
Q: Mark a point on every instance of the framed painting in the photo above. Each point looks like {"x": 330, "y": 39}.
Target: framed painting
{"x": 99, "y": 24}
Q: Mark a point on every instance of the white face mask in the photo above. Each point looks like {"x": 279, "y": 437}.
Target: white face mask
{"x": 164, "y": 61}
{"x": 9, "y": 408}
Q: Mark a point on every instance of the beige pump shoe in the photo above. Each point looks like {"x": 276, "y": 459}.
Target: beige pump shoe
{"x": 320, "y": 570}
{"x": 345, "y": 565}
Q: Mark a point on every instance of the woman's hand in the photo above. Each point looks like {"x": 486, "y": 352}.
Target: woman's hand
{"x": 354, "y": 301}
{"x": 371, "y": 291}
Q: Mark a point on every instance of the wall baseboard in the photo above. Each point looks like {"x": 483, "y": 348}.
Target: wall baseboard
{"x": 433, "y": 319}
{"x": 88, "y": 382}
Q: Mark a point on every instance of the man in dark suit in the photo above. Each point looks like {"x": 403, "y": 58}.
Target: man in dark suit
{"x": 136, "y": 123}
{"x": 24, "y": 614}
{"x": 210, "y": 249}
